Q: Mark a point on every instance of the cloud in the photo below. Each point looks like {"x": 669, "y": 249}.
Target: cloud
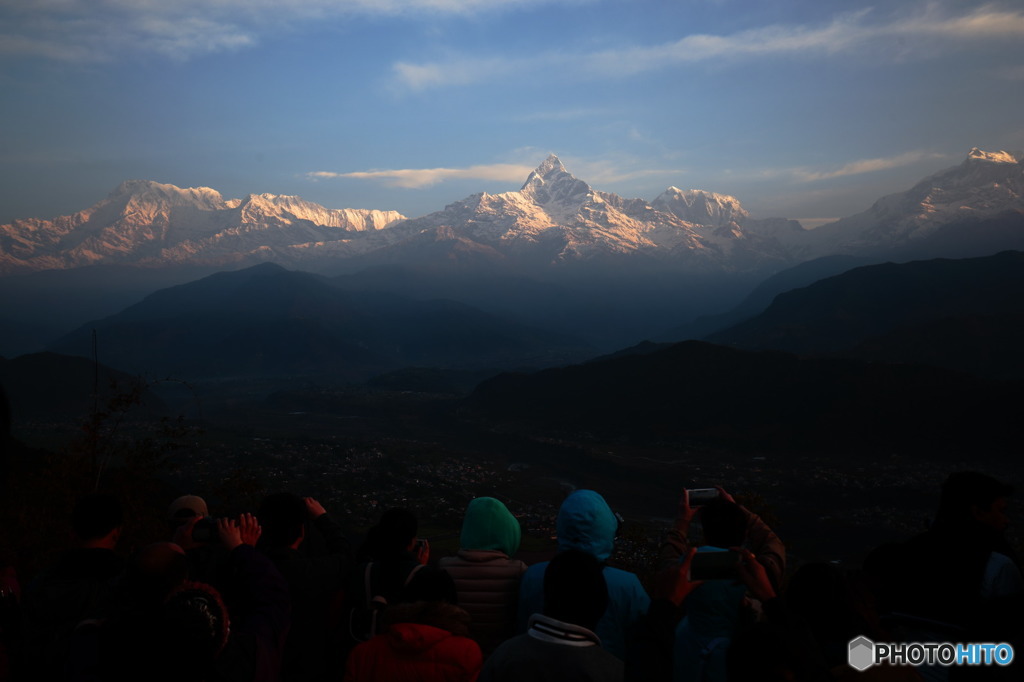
{"x": 102, "y": 30}
{"x": 867, "y": 166}
{"x": 424, "y": 177}
{"x": 1012, "y": 73}
{"x": 846, "y": 32}
{"x": 599, "y": 172}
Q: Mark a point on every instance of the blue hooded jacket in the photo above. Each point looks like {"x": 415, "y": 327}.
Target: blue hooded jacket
{"x": 586, "y": 522}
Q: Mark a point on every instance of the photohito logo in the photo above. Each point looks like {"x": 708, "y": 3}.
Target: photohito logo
{"x": 863, "y": 653}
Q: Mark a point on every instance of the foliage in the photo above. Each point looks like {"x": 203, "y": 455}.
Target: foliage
{"x": 113, "y": 452}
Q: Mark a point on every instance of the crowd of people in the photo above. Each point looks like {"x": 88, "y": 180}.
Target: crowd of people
{"x": 282, "y": 594}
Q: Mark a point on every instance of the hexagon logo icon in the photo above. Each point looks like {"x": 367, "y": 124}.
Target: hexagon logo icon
{"x": 861, "y": 653}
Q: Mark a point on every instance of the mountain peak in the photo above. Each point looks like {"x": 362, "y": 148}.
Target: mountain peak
{"x": 699, "y": 206}
{"x": 550, "y": 165}
{"x": 150, "y": 190}
{"x": 992, "y": 157}
{"x": 551, "y": 183}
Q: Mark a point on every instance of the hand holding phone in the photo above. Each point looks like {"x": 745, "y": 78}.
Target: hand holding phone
{"x": 701, "y": 496}
{"x": 715, "y": 565}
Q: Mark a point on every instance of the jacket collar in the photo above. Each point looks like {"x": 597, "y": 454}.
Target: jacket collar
{"x": 550, "y": 630}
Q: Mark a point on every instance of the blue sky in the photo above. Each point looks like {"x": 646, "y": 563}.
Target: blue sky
{"x": 799, "y": 109}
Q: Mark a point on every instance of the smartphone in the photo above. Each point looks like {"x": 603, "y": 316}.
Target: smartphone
{"x": 701, "y": 496}
{"x": 205, "y": 530}
{"x": 715, "y": 565}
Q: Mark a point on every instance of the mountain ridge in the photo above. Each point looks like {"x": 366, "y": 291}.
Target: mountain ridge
{"x": 553, "y": 220}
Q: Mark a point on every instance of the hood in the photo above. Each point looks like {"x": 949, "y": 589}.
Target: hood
{"x": 490, "y": 525}
{"x": 415, "y": 638}
{"x": 587, "y": 523}
{"x": 436, "y": 615}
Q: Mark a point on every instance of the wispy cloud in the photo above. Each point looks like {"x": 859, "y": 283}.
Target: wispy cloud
{"x": 425, "y": 177}
{"x": 844, "y": 33}
{"x": 102, "y": 30}
{"x": 867, "y": 166}
{"x": 1012, "y": 73}
{"x": 597, "y": 172}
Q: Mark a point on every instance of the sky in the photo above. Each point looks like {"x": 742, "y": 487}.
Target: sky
{"x": 799, "y": 108}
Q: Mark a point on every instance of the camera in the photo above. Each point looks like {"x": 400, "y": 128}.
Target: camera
{"x": 715, "y": 565}
{"x": 205, "y": 530}
{"x": 701, "y": 496}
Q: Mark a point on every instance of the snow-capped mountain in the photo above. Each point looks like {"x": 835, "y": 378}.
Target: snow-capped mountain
{"x": 556, "y": 219}
{"x": 949, "y": 209}
{"x": 698, "y": 206}
{"x": 553, "y": 220}
{"x": 149, "y": 223}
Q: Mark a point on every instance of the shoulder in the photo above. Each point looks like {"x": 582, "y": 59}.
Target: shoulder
{"x": 621, "y": 579}
{"x": 1001, "y": 578}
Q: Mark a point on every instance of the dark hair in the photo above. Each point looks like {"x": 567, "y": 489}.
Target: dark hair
{"x": 281, "y": 518}
{"x": 966, "y": 489}
{"x": 95, "y": 515}
{"x": 430, "y": 584}
{"x": 575, "y": 590}
{"x": 724, "y": 523}
{"x": 391, "y": 536}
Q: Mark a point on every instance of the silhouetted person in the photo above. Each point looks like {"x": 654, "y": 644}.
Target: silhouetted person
{"x": 486, "y": 579}
{"x": 425, "y": 638}
{"x": 959, "y": 580}
{"x": 393, "y": 561}
{"x": 586, "y": 522}
{"x": 77, "y": 588}
{"x": 719, "y": 607}
{"x": 315, "y": 581}
{"x": 778, "y": 647}
{"x": 560, "y": 643}
{"x": 170, "y": 629}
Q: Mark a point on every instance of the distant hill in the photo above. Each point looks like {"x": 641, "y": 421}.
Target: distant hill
{"x": 695, "y": 393}
{"x": 268, "y": 321}
{"x": 900, "y": 313}
{"x": 52, "y": 386}
{"x": 763, "y": 294}
{"x": 986, "y": 346}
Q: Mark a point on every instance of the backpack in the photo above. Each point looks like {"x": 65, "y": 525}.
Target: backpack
{"x": 363, "y": 617}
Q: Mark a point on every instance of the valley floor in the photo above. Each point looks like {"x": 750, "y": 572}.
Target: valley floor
{"x": 372, "y": 450}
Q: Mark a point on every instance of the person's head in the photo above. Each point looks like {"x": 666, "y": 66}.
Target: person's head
{"x": 430, "y": 584}
{"x": 184, "y": 508}
{"x": 971, "y": 496}
{"x": 96, "y": 520}
{"x": 489, "y": 525}
{"x": 153, "y": 573}
{"x": 193, "y": 629}
{"x": 724, "y": 523}
{"x": 586, "y": 522}
{"x": 282, "y": 517}
{"x": 394, "y": 534}
{"x": 575, "y": 590}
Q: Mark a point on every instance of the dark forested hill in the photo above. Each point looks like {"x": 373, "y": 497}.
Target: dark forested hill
{"x": 925, "y": 311}
{"x": 267, "y": 321}
{"x": 699, "y": 392}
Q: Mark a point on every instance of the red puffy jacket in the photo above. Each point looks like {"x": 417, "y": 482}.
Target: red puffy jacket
{"x": 417, "y": 652}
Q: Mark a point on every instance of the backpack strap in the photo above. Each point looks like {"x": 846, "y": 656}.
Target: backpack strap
{"x": 412, "y": 574}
